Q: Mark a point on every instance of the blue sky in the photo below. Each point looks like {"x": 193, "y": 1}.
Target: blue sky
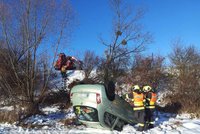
{"x": 165, "y": 19}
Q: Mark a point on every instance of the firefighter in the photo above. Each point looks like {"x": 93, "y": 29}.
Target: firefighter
{"x": 150, "y": 100}
{"x": 136, "y": 99}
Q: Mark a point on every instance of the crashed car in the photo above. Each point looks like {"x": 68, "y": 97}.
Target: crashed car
{"x": 97, "y": 106}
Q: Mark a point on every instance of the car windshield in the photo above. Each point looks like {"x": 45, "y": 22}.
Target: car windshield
{"x": 86, "y": 113}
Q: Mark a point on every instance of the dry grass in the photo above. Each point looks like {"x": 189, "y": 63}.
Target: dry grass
{"x": 56, "y": 97}
{"x": 8, "y": 116}
{"x": 38, "y": 126}
{"x": 170, "y": 108}
{"x": 181, "y": 103}
{"x": 70, "y": 121}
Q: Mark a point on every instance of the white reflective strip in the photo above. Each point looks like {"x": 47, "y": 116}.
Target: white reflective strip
{"x": 138, "y": 108}
{"x": 141, "y": 124}
{"x": 150, "y": 107}
{"x": 152, "y": 122}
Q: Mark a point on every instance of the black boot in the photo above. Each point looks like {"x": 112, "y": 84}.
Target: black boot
{"x": 140, "y": 128}
{"x": 146, "y": 126}
{"x": 151, "y": 126}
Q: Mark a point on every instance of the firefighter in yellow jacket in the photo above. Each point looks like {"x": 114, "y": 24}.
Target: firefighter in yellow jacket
{"x": 136, "y": 99}
{"x": 150, "y": 101}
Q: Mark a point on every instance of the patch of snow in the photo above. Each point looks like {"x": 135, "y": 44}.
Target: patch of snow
{"x": 127, "y": 129}
{"x": 93, "y": 73}
{"x": 165, "y": 124}
{"x": 73, "y": 75}
{"x": 7, "y": 108}
{"x": 50, "y": 109}
{"x": 89, "y": 131}
{"x": 190, "y": 125}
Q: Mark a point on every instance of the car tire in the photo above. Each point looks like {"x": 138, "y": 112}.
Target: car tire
{"x": 110, "y": 90}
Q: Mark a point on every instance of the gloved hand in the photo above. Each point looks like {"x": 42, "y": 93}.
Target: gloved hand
{"x": 132, "y": 104}
{"x": 128, "y": 99}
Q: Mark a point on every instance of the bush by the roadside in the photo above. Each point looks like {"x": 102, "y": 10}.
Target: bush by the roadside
{"x": 185, "y": 81}
{"x": 60, "y": 97}
{"x": 183, "y": 103}
{"x": 170, "y": 108}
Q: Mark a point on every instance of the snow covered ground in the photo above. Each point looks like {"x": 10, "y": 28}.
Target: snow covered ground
{"x": 52, "y": 124}
{"x": 54, "y": 121}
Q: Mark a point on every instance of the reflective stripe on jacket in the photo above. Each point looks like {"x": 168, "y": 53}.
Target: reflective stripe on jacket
{"x": 153, "y": 99}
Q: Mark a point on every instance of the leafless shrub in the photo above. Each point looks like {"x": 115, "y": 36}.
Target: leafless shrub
{"x": 147, "y": 71}
{"x": 60, "y": 97}
{"x": 91, "y": 62}
{"x": 185, "y": 86}
{"x": 174, "y": 108}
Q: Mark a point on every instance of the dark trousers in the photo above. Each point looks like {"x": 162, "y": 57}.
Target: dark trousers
{"x": 64, "y": 78}
{"x": 149, "y": 116}
{"x": 64, "y": 75}
{"x": 140, "y": 116}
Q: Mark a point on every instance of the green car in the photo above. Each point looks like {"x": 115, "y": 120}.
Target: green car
{"x": 98, "y": 107}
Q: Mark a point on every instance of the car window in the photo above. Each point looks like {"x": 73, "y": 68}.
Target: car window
{"x": 109, "y": 119}
{"x": 86, "y": 113}
{"x": 119, "y": 125}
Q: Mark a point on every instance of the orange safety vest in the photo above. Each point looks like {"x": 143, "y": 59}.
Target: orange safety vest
{"x": 151, "y": 101}
{"x": 138, "y": 101}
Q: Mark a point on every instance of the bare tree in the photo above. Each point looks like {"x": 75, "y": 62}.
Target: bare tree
{"x": 29, "y": 27}
{"x": 185, "y": 84}
{"x": 127, "y": 37}
{"x": 147, "y": 71}
{"x": 91, "y": 62}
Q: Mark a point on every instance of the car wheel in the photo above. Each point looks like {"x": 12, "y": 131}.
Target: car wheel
{"x": 110, "y": 90}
